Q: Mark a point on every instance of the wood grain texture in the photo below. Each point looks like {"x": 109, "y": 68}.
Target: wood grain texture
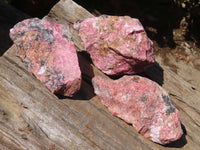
{"x": 31, "y": 117}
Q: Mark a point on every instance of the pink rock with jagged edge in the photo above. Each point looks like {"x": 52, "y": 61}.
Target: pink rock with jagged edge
{"x": 117, "y": 45}
{"x": 142, "y": 103}
{"x": 47, "y": 50}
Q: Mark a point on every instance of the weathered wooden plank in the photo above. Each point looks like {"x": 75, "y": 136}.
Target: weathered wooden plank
{"x": 33, "y": 118}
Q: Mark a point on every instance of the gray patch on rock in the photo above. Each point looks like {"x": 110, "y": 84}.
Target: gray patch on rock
{"x": 66, "y": 33}
{"x": 28, "y": 63}
{"x": 104, "y": 16}
{"x": 169, "y": 104}
{"x": 36, "y": 23}
{"x": 144, "y": 99}
{"x": 47, "y": 35}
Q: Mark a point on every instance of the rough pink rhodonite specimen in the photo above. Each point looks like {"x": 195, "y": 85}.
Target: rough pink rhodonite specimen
{"x": 117, "y": 45}
{"x": 142, "y": 103}
{"x": 47, "y": 51}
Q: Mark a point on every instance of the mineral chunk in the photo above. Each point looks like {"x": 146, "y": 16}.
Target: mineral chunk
{"x": 47, "y": 51}
{"x": 142, "y": 103}
{"x": 117, "y": 45}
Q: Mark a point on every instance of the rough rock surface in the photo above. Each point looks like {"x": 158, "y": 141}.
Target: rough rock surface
{"x": 47, "y": 51}
{"x": 142, "y": 103}
{"x": 117, "y": 45}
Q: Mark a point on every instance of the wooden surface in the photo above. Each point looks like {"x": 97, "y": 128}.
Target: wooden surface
{"x": 32, "y": 118}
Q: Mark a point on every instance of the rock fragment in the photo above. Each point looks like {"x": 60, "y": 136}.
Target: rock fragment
{"x": 117, "y": 45}
{"x": 47, "y": 50}
{"x": 142, "y": 103}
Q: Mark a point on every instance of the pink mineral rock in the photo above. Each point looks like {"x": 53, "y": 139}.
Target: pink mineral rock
{"x": 117, "y": 45}
{"x": 47, "y": 50}
{"x": 142, "y": 103}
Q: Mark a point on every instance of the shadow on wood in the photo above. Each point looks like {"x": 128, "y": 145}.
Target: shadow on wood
{"x": 155, "y": 73}
{"x": 180, "y": 142}
{"x": 86, "y": 91}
